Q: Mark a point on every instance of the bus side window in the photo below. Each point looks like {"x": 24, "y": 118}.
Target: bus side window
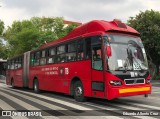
{"x": 32, "y": 59}
{"x": 43, "y": 57}
{"x": 16, "y": 63}
{"x": 12, "y": 64}
{"x": 61, "y": 56}
{"x": 9, "y": 64}
{"x": 71, "y": 52}
{"x": 37, "y": 57}
{"x": 80, "y": 49}
{"x": 20, "y": 62}
{"x": 51, "y": 55}
{"x": 88, "y": 48}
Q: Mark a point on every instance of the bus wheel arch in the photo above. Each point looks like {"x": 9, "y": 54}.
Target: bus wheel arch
{"x": 72, "y": 84}
{"x": 36, "y": 85}
{"x": 77, "y": 89}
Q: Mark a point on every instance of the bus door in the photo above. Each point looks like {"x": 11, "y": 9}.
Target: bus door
{"x": 8, "y": 72}
{"x": 18, "y": 72}
{"x": 97, "y": 74}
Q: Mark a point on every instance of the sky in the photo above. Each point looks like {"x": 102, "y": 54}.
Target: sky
{"x": 74, "y": 10}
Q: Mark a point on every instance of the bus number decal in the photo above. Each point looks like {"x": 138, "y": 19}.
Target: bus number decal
{"x": 66, "y": 71}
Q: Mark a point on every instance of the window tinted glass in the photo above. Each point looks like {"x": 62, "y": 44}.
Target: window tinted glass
{"x": 37, "y": 57}
{"x": 88, "y": 48}
{"x": 72, "y": 47}
{"x": 71, "y": 56}
{"x": 61, "y": 58}
{"x": 52, "y": 51}
{"x": 43, "y": 53}
{"x": 12, "y": 64}
{"x": 80, "y": 50}
{"x": 16, "y": 63}
{"x": 61, "y": 49}
{"x": 32, "y": 59}
{"x": 8, "y": 64}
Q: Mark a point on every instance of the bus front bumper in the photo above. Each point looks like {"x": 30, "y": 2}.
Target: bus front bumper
{"x": 116, "y": 92}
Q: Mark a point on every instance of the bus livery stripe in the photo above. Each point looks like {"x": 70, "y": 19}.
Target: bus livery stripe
{"x": 130, "y": 90}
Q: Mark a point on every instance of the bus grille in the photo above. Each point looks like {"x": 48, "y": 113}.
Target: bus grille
{"x": 134, "y": 81}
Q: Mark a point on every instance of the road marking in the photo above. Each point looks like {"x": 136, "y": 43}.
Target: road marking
{"x": 142, "y": 106}
{"x": 55, "y": 100}
{"x": 36, "y": 101}
{"x": 20, "y": 102}
{"x": 74, "y": 105}
{"x": 5, "y": 106}
{"x": 156, "y": 98}
{"x": 141, "y": 117}
{"x": 156, "y": 92}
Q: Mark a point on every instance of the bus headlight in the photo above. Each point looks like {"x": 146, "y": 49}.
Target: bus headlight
{"x": 115, "y": 83}
{"x": 148, "y": 81}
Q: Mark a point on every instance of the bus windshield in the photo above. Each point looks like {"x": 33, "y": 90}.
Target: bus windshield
{"x": 127, "y": 53}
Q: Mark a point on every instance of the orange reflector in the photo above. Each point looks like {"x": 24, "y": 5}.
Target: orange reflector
{"x": 130, "y": 90}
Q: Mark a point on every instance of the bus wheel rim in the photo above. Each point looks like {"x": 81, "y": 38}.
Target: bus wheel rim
{"x": 78, "y": 91}
{"x": 35, "y": 86}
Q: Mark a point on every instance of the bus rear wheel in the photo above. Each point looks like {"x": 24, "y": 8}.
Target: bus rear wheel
{"x": 12, "y": 83}
{"x": 36, "y": 86}
{"x": 79, "y": 92}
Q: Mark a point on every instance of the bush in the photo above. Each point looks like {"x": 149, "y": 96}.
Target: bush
{"x": 156, "y": 77}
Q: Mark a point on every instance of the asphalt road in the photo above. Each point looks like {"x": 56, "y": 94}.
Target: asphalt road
{"x": 51, "y": 105}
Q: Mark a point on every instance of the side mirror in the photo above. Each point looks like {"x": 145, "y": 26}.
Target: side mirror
{"x": 108, "y": 51}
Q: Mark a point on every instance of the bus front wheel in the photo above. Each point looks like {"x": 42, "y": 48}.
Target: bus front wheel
{"x": 36, "y": 86}
{"x": 79, "y": 92}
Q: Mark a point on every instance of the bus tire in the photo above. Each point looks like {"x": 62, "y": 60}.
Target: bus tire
{"x": 79, "y": 92}
{"x": 36, "y": 86}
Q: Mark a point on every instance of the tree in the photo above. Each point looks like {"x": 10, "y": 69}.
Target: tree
{"x": 148, "y": 24}
{"x": 2, "y": 46}
{"x": 1, "y": 27}
{"x": 3, "y": 50}
{"x": 30, "y": 34}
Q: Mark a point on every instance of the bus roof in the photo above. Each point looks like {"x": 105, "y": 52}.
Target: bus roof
{"x": 95, "y": 26}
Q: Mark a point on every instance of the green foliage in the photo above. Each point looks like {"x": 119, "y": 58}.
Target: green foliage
{"x": 2, "y": 47}
{"x": 1, "y": 27}
{"x": 69, "y": 28}
{"x": 3, "y": 50}
{"x": 30, "y": 34}
{"x": 156, "y": 77}
{"x": 148, "y": 24}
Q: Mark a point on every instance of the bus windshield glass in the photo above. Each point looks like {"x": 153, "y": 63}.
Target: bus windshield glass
{"x": 128, "y": 53}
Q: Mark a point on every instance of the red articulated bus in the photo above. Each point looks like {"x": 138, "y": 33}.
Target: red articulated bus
{"x": 97, "y": 59}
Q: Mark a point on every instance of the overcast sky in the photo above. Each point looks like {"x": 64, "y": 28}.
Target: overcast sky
{"x": 74, "y": 10}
